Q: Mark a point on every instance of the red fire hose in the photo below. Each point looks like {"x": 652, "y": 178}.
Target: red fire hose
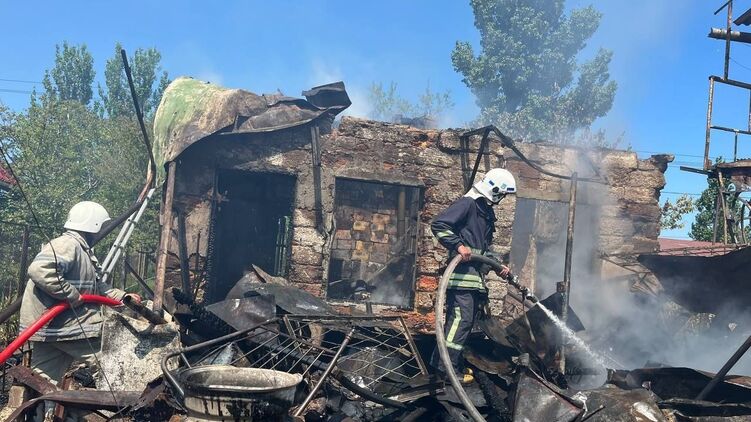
{"x": 47, "y": 317}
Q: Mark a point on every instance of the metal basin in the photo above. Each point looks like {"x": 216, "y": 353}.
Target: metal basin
{"x": 225, "y": 392}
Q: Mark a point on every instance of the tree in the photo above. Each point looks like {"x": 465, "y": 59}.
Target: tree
{"x": 526, "y": 78}
{"x": 145, "y": 67}
{"x": 71, "y": 77}
{"x": 672, "y": 213}
{"x": 703, "y": 226}
{"x": 387, "y": 105}
{"x": 66, "y": 150}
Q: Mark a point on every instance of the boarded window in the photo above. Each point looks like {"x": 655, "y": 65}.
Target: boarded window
{"x": 374, "y": 249}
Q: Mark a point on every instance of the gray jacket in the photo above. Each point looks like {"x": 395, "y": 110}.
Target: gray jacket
{"x": 76, "y": 274}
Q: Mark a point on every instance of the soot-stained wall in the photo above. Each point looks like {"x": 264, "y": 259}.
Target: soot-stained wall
{"x": 428, "y": 163}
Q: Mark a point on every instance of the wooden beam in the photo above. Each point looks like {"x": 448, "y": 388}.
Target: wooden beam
{"x": 165, "y": 238}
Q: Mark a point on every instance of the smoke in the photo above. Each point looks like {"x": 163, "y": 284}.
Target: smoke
{"x": 630, "y": 328}
{"x": 325, "y": 72}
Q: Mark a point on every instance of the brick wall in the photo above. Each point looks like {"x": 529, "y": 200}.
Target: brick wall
{"x": 429, "y": 159}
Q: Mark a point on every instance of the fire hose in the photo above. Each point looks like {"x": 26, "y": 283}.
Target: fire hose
{"x": 48, "y": 316}
{"x": 440, "y": 335}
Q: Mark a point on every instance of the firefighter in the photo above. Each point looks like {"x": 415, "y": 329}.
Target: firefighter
{"x": 464, "y": 228}
{"x": 63, "y": 270}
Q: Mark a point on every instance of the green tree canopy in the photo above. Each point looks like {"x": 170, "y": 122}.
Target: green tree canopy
{"x": 71, "y": 77}
{"x": 672, "y": 213}
{"x": 65, "y": 150}
{"x": 148, "y": 77}
{"x": 526, "y": 77}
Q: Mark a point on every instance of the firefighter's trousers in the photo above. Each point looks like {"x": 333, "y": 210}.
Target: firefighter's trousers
{"x": 462, "y": 306}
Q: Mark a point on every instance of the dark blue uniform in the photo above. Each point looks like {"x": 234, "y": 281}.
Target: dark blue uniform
{"x": 469, "y": 222}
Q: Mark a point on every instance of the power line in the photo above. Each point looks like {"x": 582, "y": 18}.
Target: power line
{"x": 680, "y": 193}
{"x": 20, "y": 81}
{"x": 739, "y": 64}
{"x": 15, "y": 91}
{"x": 677, "y": 155}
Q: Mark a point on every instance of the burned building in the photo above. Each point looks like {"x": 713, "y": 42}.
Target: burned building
{"x": 343, "y": 211}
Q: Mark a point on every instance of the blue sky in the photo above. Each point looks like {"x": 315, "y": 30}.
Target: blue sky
{"x": 662, "y": 56}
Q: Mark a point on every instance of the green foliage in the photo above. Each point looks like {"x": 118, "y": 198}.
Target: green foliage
{"x": 64, "y": 149}
{"x": 145, "y": 67}
{"x": 526, "y": 78}
{"x": 387, "y": 104}
{"x": 672, "y": 213}
{"x": 703, "y": 226}
{"x": 71, "y": 77}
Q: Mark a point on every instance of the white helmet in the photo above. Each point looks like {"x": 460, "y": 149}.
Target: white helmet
{"x": 87, "y": 217}
{"x": 495, "y": 185}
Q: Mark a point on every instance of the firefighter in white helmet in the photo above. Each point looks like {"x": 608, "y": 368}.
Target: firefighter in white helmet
{"x": 464, "y": 228}
{"x": 65, "y": 269}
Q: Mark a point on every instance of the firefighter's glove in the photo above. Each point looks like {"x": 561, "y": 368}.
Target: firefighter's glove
{"x": 76, "y": 300}
{"x": 503, "y": 272}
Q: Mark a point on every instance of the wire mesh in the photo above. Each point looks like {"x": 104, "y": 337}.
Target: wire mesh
{"x": 380, "y": 356}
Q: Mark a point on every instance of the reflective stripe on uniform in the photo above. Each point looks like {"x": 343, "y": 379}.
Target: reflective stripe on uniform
{"x": 454, "y": 346}
{"x": 67, "y": 331}
{"x": 467, "y": 281}
{"x": 82, "y": 284}
{"x": 445, "y": 233}
{"x": 454, "y": 325}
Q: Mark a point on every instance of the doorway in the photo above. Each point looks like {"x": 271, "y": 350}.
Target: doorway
{"x": 253, "y": 226}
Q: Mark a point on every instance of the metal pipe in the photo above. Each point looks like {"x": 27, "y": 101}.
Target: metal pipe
{"x": 142, "y": 310}
{"x": 139, "y": 280}
{"x": 731, "y": 130}
{"x": 727, "y": 38}
{"x": 731, "y": 82}
{"x": 721, "y": 34}
{"x": 123, "y": 237}
{"x": 325, "y": 374}
{"x": 139, "y": 115}
{"x": 567, "y": 265}
{"x": 480, "y": 152}
{"x": 725, "y": 369}
{"x": 708, "y": 132}
{"x": 164, "y": 240}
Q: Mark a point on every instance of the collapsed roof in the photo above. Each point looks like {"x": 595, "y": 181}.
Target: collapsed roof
{"x": 191, "y": 110}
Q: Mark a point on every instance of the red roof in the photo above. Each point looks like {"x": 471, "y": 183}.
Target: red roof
{"x": 693, "y": 247}
{"x": 5, "y": 177}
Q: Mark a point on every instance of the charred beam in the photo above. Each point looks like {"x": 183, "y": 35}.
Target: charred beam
{"x": 166, "y": 237}
{"x": 567, "y": 264}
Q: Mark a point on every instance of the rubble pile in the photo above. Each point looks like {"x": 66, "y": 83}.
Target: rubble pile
{"x": 256, "y": 357}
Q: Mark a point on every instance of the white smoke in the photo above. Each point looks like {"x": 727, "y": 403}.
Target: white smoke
{"x": 630, "y": 328}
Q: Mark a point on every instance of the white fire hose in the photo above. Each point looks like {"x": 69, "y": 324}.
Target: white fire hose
{"x": 440, "y": 335}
